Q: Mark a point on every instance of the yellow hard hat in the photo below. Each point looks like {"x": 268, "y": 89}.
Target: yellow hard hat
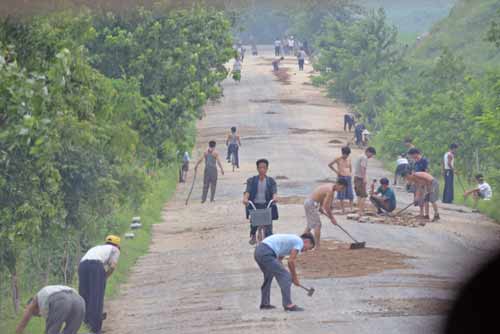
{"x": 113, "y": 239}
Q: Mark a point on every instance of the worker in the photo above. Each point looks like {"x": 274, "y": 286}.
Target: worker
{"x": 96, "y": 266}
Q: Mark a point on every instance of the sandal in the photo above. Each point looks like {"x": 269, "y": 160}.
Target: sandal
{"x": 293, "y": 308}
{"x": 267, "y": 307}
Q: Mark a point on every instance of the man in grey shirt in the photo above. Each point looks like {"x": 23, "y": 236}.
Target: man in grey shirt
{"x": 360, "y": 177}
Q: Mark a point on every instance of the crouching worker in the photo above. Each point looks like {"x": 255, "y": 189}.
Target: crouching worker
{"x": 384, "y": 198}
{"x": 482, "y": 191}
{"x": 59, "y": 305}
{"x": 320, "y": 201}
{"x": 269, "y": 255}
{"x": 95, "y": 268}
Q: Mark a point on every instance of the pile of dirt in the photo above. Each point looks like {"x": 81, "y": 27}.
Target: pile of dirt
{"x": 407, "y": 220}
{"x": 335, "y": 259}
{"x": 335, "y": 141}
{"x": 409, "y": 307}
{"x": 283, "y": 76}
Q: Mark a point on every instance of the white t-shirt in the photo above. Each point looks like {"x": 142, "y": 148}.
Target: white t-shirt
{"x": 283, "y": 244}
{"x": 445, "y": 160}
{"x": 362, "y": 162}
{"x": 402, "y": 161}
{"x": 186, "y": 157}
{"x": 107, "y": 254}
{"x": 291, "y": 43}
{"x": 277, "y": 43}
{"x": 43, "y": 295}
{"x": 485, "y": 191}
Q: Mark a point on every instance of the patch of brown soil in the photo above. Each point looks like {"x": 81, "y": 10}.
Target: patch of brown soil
{"x": 409, "y": 307}
{"x": 300, "y": 131}
{"x": 283, "y": 76}
{"x": 335, "y": 259}
{"x": 335, "y": 141}
{"x": 291, "y": 200}
{"x": 407, "y": 220}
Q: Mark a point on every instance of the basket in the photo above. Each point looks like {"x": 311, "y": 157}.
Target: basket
{"x": 261, "y": 217}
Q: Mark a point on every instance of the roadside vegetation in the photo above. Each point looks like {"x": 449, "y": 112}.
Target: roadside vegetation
{"x": 96, "y": 110}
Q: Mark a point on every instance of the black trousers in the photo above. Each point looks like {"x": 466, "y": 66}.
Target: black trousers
{"x": 449, "y": 190}
{"x": 92, "y": 284}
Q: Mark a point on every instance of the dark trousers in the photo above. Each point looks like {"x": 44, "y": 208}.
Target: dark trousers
{"x": 209, "y": 181}
{"x": 301, "y": 64}
{"x": 271, "y": 267}
{"x": 276, "y": 51}
{"x": 381, "y": 205}
{"x": 448, "y": 193}
{"x": 348, "y": 122}
{"x": 65, "y": 308}
{"x": 92, "y": 284}
{"x": 268, "y": 229}
{"x": 234, "y": 149}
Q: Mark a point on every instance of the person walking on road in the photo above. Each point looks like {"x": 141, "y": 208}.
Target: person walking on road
{"x": 277, "y": 47}
{"x": 384, "y": 198}
{"x": 261, "y": 190}
{"x": 427, "y": 191}
{"x": 96, "y": 266}
{"x": 360, "y": 178}
{"x": 320, "y": 201}
{"x": 237, "y": 65}
{"x": 210, "y": 175}
{"x": 59, "y": 305}
{"x": 448, "y": 170}
{"x": 301, "y": 56}
{"x": 233, "y": 143}
{"x": 185, "y": 166}
{"x": 344, "y": 171}
{"x": 349, "y": 122}
{"x": 269, "y": 254}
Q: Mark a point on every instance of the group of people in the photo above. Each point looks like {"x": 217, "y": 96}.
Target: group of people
{"x": 63, "y": 306}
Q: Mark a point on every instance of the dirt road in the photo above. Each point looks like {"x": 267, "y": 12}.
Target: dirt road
{"x": 200, "y": 277}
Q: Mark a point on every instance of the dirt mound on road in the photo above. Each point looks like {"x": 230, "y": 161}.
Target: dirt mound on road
{"x": 335, "y": 259}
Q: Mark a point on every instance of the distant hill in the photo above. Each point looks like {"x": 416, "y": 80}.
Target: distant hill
{"x": 464, "y": 32}
{"x": 412, "y": 17}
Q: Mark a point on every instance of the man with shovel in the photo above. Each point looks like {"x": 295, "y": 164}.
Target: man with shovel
{"x": 427, "y": 191}
{"x": 384, "y": 198}
{"x": 321, "y": 201}
{"x": 269, "y": 255}
{"x": 210, "y": 176}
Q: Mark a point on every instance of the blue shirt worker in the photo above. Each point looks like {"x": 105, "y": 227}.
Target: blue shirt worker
{"x": 384, "y": 198}
{"x": 268, "y": 255}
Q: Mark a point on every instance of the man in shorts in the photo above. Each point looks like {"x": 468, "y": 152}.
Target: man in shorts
{"x": 344, "y": 171}
{"x": 320, "y": 201}
{"x": 427, "y": 191}
{"x": 360, "y": 178}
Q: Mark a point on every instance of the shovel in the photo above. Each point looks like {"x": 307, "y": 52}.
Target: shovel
{"x": 357, "y": 244}
{"x": 192, "y": 187}
{"x": 310, "y": 291}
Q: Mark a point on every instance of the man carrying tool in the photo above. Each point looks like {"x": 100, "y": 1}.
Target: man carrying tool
{"x": 59, "y": 305}
{"x": 321, "y": 201}
{"x": 384, "y": 198}
{"x": 96, "y": 266}
{"x": 427, "y": 191}
{"x": 344, "y": 171}
{"x": 261, "y": 190}
{"x": 233, "y": 143}
{"x": 210, "y": 176}
{"x": 482, "y": 191}
{"x": 360, "y": 178}
{"x": 269, "y": 254}
{"x": 448, "y": 170}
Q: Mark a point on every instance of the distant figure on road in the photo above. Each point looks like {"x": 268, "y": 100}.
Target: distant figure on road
{"x": 185, "y": 166}
{"x": 276, "y": 64}
{"x": 301, "y": 56}
{"x": 261, "y": 190}
{"x": 384, "y": 198}
{"x": 210, "y": 175}
{"x": 358, "y": 134}
{"x": 448, "y": 170}
{"x": 277, "y": 47}
{"x": 349, "y": 122}
{"x": 360, "y": 177}
{"x": 96, "y": 266}
{"x": 269, "y": 255}
{"x": 344, "y": 171}
{"x": 59, "y": 305}
{"x": 403, "y": 167}
{"x": 233, "y": 143}
{"x": 237, "y": 65}
{"x": 482, "y": 191}
{"x": 321, "y": 201}
{"x": 427, "y": 191}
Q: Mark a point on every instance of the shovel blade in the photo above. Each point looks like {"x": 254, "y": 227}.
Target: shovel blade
{"x": 310, "y": 292}
{"x": 358, "y": 245}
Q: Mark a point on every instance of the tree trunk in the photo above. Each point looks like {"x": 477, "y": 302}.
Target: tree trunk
{"x": 15, "y": 291}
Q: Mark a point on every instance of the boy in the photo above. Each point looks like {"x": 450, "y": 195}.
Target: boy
{"x": 360, "y": 178}
{"x": 344, "y": 172}
{"x": 210, "y": 176}
{"x": 384, "y": 198}
{"x": 233, "y": 143}
{"x": 482, "y": 191}
{"x": 427, "y": 191}
{"x": 320, "y": 201}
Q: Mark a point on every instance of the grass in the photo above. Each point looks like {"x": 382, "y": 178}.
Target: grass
{"x": 163, "y": 188}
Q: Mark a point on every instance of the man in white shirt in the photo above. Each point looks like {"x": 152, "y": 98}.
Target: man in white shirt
{"x": 482, "y": 191}
{"x": 269, "y": 254}
{"x": 95, "y": 268}
{"x": 277, "y": 47}
{"x": 448, "y": 169}
{"x": 59, "y": 305}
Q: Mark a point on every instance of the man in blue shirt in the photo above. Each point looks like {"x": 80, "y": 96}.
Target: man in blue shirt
{"x": 421, "y": 163}
{"x": 384, "y": 198}
{"x": 268, "y": 256}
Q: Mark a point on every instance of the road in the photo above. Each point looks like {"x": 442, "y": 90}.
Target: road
{"x": 200, "y": 276}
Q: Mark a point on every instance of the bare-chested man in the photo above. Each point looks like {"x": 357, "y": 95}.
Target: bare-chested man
{"x": 344, "y": 171}
{"x": 320, "y": 201}
{"x": 427, "y": 191}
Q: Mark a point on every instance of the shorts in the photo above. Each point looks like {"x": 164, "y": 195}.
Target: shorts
{"x": 347, "y": 193}
{"x": 360, "y": 187}
{"x": 433, "y": 196}
{"x": 312, "y": 214}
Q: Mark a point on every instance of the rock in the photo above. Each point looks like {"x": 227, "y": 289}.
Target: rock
{"x": 129, "y": 235}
